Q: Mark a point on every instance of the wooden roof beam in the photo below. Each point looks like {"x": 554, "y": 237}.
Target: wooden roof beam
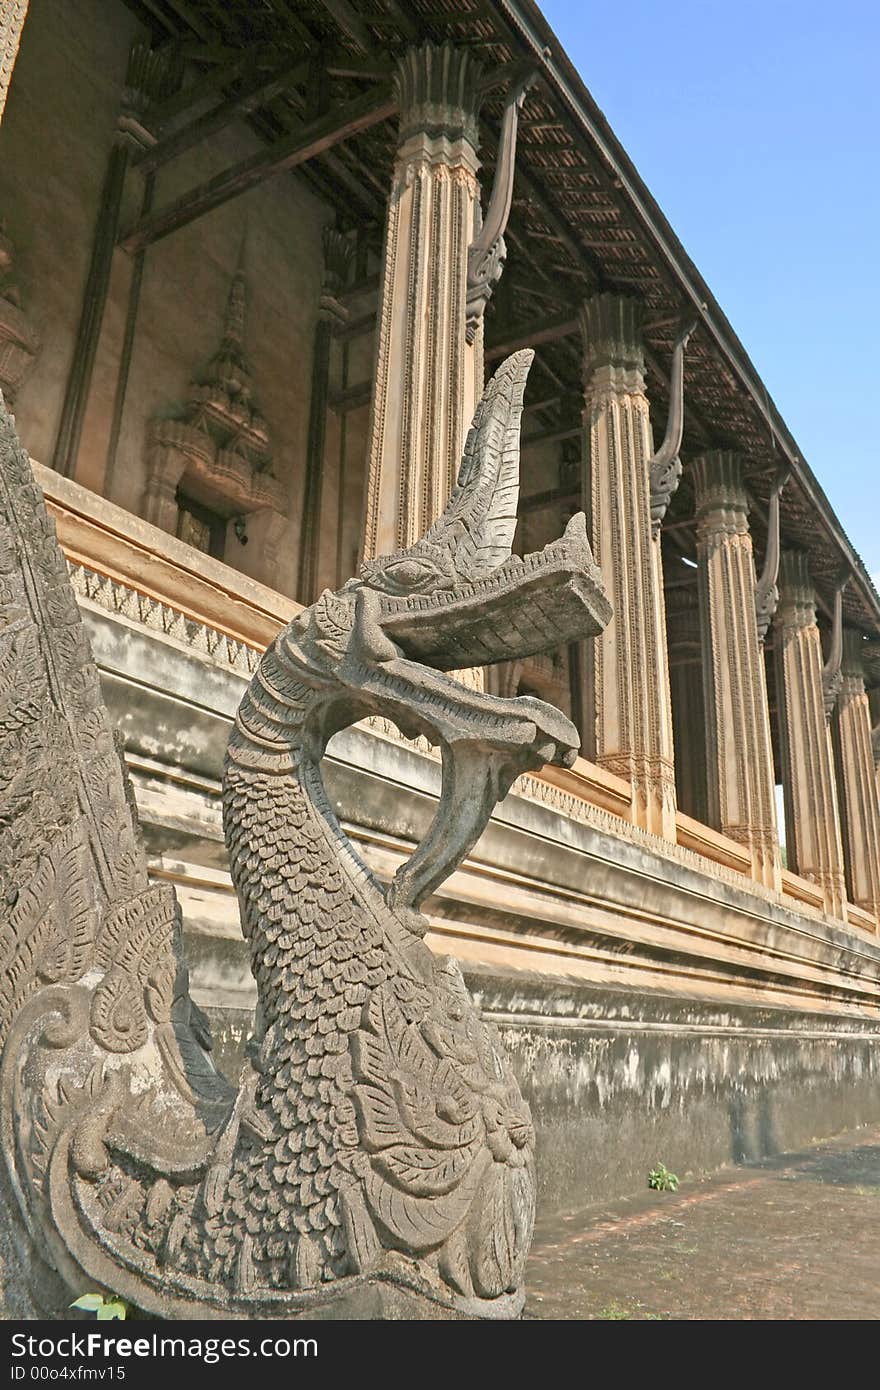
{"x": 294, "y": 149}
{"x": 350, "y": 23}
{"x": 209, "y": 86}
{"x": 540, "y": 332}
{"x": 256, "y": 94}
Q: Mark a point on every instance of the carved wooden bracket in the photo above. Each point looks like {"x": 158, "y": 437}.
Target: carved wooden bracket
{"x": 487, "y": 252}
{"x": 767, "y": 590}
{"x": 665, "y": 467}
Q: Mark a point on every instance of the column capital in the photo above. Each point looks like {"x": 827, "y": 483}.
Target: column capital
{"x": 718, "y": 481}
{"x": 611, "y": 328}
{"x": 338, "y": 252}
{"x": 438, "y": 91}
{"x": 152, "y": 75}
{"x": 797, "y": 594}
{"x": 851, "y": 663}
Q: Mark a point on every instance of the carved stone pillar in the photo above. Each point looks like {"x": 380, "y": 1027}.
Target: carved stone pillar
{"x": 688, "y": 708}
{"x": 428, "y": 377}
{"x": 12, "y": 16}
{"x": 812, "y": 818}
{"x": 740, "y": 763}
{"x": 337, "y": 255}
{"x": 861, "y": 814}
{"x": 874, "y": 707}
{"x": 633, "y": 710}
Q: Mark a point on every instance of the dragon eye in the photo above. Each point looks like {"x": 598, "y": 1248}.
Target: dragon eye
{"x": 409, "y": 574}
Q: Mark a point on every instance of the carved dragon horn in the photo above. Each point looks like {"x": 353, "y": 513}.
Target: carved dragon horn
{"x": 479, "y": 522}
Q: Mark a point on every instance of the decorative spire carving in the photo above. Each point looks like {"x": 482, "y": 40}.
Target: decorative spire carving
{"x": 665, "y": 467}
{"x": 488, "y": 252}
{"x": 766, "y": 590}
{"x": 19, "y": 341}
{"x": 219, "y": 448}
{"x": 832, "y": 677}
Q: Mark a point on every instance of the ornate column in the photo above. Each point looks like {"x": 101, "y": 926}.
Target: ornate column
{"x": 861, "y": 814}
{"x": 633, "y": 711}
{"x": 874, "y": 709}
{"x": 337, "y": 256}
{"x": 812, "y": 819}
{"x": 688, "y": 707}
{"x": 428, "y": 377}
{"x": 740, "y": 762}
{"x": 150, "y": 75}
{"x": 12, "y": 16}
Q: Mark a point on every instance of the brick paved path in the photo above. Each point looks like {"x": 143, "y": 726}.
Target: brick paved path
{"x": 797, "y": 1236}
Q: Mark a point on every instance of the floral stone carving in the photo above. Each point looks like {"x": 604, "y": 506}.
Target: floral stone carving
{"x": 377, "y": 1159}
{"x": 19, "y": 341}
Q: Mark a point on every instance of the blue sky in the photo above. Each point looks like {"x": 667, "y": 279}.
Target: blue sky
{"x": 756, "y": 125}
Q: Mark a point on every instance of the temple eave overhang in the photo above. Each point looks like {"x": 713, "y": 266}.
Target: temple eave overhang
{"x": 581, "y": 220}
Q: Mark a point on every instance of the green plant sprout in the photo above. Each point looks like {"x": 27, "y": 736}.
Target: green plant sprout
{"x": 661, "y": 1180}
{"x": 105, "y": 1309}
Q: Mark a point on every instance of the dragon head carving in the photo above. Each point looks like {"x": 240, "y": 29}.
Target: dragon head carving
{"x": 457, "y": 598}
{"x": 378, "y": 1140}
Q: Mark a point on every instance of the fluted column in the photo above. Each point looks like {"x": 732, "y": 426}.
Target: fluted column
{"x": 428, "y": 377}
{"x": 633, "y": 711}
{"x": 688, "y": 709}
{"x": 331, "y": 311}
{"x": 874, "y": 708}
{"x": 812, "y": 818}
{"x": 740, "y": 763}
{"x": 861, "y": 814}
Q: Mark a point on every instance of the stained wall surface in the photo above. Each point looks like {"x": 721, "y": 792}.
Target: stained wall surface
{"x": 54, "y": 145}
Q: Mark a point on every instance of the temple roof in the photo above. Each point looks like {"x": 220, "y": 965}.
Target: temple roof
{"x": 582, "y": 220}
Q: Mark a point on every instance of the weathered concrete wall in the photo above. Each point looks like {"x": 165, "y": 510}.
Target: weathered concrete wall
{"x": 619, "y": 1082}
{"x": 60, "y": 122}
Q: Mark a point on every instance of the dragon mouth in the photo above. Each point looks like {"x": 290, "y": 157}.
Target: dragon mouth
{"x": 523, "y": 607}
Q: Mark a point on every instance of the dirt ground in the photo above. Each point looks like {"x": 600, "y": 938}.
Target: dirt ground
{"x": 791, "y": 1237}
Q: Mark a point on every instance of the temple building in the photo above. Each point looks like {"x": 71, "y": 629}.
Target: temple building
{"x": 256, "y": 263}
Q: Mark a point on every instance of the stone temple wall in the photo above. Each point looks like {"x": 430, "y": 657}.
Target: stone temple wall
{"x": 656, "y": 1006}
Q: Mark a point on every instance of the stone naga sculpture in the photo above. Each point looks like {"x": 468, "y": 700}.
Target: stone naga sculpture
{"x": 377, "y": 1159}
